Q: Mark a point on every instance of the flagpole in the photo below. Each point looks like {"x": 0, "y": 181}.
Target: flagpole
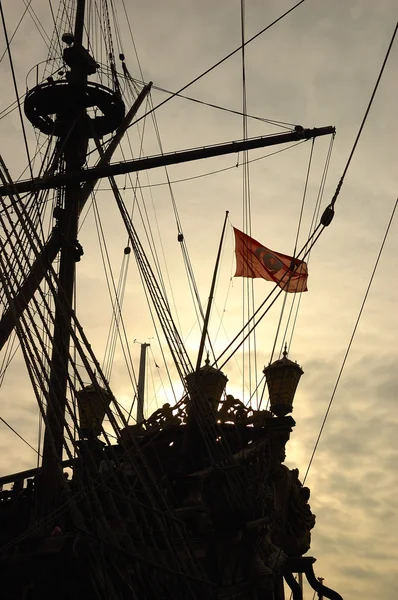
{"x": 210, "y": 301}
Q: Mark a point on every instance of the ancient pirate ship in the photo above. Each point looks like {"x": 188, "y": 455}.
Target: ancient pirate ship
{"x": 192, "y": 502}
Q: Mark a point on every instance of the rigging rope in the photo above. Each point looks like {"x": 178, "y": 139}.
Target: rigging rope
{"x": 185, "y": 254}
{"x": 176, "y": 346}
{"x": 333, "y": 202}
{"x": 315, "y": 217}
{"x": 20, "y": 436}
{"x": 217, "y": 64}
{"x": 175, "y": 211}
{"x": 117, "y": 303}
{"x": 350, "y": 341}
{"x": 146, "y": 222}
{"x": 16, "y": 28}
{"x": 282, "y": 124}
{"x": 295, "y": 248}
{"x": 328, "y": 216}
{"x": 16, "y": 88}
{"x": 37, "y": 22}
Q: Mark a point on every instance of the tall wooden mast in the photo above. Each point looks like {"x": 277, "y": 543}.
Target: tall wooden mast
{"x": 72, "y": 125}
{"x": 74, "y": 141}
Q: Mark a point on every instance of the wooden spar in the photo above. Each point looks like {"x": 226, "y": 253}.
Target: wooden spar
{"x": 211, "y": 295}
{"x": 117, "y": 138}
{"x": 161, "y": 160}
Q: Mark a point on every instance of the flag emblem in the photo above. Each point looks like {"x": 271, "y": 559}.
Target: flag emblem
{"x": 255, "y": 260}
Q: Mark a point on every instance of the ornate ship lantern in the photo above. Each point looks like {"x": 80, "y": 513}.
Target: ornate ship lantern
{"x": 282, "y": 378}
{"x": 205, "y": 387}
{"x": 92, "y": 403}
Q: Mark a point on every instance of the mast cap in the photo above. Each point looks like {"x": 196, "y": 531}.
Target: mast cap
{"x": 68, "y": 38}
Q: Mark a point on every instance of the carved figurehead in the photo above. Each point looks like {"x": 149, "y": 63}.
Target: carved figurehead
{"x": 294, "y": 520}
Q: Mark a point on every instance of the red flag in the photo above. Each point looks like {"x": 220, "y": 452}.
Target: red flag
{"x": 254, "y": 260}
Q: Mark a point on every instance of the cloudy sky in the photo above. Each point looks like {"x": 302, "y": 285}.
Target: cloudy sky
{"x": 316, "y": 67}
